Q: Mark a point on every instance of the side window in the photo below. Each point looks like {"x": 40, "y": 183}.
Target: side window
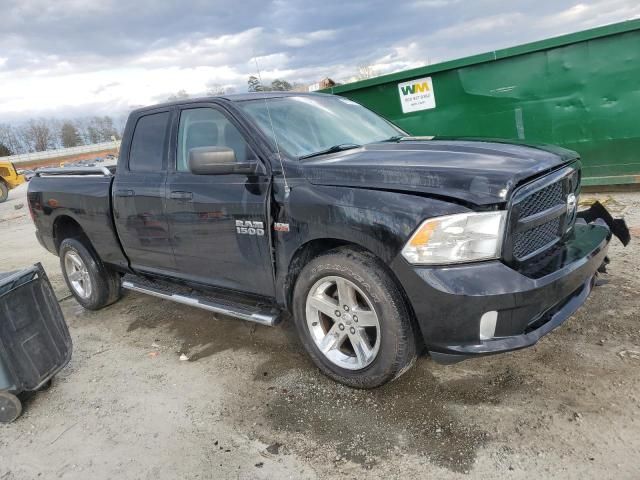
{"x": 207, "y": 127}
{"x": 147, "y": 145}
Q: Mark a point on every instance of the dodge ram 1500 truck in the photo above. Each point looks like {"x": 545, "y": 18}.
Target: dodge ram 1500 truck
{"x": 382, "y": 246}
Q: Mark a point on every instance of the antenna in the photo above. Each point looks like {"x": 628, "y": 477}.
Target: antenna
{"x": 273, "y": 131}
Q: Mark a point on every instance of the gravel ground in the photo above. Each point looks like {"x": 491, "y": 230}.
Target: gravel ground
{"x": 248, "y": 404}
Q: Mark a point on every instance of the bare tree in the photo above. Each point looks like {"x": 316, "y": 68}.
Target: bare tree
{"x": 366, "y": 71}
{"x": 87, "y": 130}
{"x": 38, "y": 135}
{"x": 106, "y": 128}
{"x": 55, "y": 126}
{"x": 92, "y": 135}
{"x": 10, "y": 137}
{"x": 215, "y": 89}
{"x": 120, "y": 123}
{"x": 254, "y": 84}
{"x": 299, "y": 87}
{"x": 279, "y": 85}
{"x": 97, "y": 129}
{"x": 179, "y": 95}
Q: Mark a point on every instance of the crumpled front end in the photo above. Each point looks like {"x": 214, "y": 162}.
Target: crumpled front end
{"x": 551, "y": 257}
{"x": 489, "y": 307}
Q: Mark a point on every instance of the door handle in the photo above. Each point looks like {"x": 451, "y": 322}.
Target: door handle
{"x": 181, "y": 195}
{"x": 125, "y": 193}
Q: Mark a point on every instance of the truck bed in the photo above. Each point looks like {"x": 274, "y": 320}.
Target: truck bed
{"x": 60, "y": 196}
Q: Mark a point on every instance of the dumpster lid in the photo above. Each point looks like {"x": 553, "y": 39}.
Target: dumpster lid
{"x": 554, "y": 42}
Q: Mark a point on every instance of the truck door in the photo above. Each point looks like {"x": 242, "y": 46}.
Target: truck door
{"x": 218, "y": 223}
{"x": 139, "y": 195}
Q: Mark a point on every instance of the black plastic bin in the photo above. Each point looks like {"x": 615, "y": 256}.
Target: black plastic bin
{"x": 34, "y": 338}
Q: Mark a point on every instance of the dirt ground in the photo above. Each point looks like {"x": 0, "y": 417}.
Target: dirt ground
{"x": 248, "y": 404}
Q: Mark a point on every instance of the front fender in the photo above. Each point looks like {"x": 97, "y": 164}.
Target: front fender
{"x": 379, "y": 221}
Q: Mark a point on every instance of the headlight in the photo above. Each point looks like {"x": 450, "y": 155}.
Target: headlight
{"x": 465, "y": 237}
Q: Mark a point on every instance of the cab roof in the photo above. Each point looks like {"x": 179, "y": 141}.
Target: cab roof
{"x": 233, "y": 97}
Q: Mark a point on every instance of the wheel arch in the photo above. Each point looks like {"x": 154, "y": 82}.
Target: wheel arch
{"x": 65, "y": 227}
{"x": 303, "y": 255}
{"x": 318, "y": 246}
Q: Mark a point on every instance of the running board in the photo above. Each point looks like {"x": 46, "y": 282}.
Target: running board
{"x": 259, "y": 314}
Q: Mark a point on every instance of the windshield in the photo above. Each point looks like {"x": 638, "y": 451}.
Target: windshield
{"x": 305, "y": 125}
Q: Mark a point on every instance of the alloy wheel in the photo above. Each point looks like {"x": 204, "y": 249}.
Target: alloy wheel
{"x": 77, "y": 274}
{"x": 343, "y": 323}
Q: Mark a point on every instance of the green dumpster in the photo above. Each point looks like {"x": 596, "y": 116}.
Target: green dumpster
{"x": 580, "y": 91}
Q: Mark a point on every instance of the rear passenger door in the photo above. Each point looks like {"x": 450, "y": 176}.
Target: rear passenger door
{"x": 139, "y": 195}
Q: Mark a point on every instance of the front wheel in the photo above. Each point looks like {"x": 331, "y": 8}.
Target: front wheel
{"x": 353, "y": 320}
{"x": 93, "y": 285}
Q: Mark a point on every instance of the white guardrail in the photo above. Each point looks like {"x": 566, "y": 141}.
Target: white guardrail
{"x": 62, "y": 152}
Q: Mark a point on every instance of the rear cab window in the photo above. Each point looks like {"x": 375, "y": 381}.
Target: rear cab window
{"x": 148, "y": 143}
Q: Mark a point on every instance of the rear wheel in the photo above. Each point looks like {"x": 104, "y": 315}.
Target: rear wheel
{"x": 10, "y": 407}
{"x": 4, "y": 192}
{"x": 92, "y": 284}
{"x": 353, "y": 320}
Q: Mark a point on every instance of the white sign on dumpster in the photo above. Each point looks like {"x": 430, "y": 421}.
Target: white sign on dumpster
{"x": 417, "y": 95}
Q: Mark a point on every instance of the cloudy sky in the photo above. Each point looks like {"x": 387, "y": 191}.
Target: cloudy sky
{"x": 76, "y": 57}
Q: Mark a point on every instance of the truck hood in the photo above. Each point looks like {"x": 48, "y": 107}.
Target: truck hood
{"x": 473, "y": 171}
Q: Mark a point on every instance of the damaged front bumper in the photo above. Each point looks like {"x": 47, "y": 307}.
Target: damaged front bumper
{"x": 598, "y": 213}
{"x": 449, "y": 302}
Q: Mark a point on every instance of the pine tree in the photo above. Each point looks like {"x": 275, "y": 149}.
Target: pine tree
{"x": 4, "y": 150}
{"x": 69, "y": 135}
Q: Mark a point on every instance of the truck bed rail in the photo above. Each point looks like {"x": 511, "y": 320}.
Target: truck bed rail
{"x": 93, "y": 171}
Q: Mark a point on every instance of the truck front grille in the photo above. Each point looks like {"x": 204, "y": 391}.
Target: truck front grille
{"x": 539, "y": 216}
{"x": 525, "y": 243}
{"x": 542, "y": 200}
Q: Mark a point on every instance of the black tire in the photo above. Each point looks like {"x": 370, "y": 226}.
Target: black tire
{"x": 397, "y": 346}
{"x": 106, "y": 285}
{"x": 10, "y": 407}
{"x": 4, "y": 192}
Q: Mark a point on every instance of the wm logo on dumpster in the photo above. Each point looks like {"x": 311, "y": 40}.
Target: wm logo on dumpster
{"x": 415, "y": 88}
{"x": 417, "y": 95}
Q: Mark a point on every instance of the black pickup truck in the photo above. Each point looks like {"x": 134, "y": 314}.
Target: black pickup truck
{"x": 382, "y": 246}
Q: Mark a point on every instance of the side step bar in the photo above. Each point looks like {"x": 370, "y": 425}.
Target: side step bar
{"x": 259, "y": 314}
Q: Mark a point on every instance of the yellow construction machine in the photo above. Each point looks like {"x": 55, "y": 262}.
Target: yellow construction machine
{"x": 9, "y": 179}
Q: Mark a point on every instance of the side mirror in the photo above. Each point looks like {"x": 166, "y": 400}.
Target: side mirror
{"x": 217, "y": 161}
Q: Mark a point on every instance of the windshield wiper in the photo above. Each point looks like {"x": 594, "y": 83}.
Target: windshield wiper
{"x": 335, "y": 148}
{"x": 395, "y": 138}
{"x": 400, "y": 138}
